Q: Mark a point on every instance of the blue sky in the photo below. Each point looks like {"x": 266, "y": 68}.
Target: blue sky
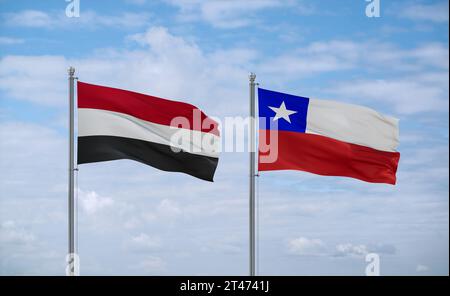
{"x": 133, "y": 220}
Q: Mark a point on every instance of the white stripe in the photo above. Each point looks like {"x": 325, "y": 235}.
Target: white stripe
{"x": 352, "y": 124}
{"x": 98, "y": 122}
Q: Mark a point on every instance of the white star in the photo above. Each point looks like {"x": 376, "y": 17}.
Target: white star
{"x": 282, "y": 112}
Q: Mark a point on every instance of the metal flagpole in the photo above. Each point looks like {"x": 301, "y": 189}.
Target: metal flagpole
{"x": 252, "y": 143}
{"x": 71, "y": 201}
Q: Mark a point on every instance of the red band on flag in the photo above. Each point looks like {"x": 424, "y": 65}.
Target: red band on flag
{"x": 329, "y": 157}
{"x": 145, "y": 107}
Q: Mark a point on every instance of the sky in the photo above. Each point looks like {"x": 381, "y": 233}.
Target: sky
{"x": 136, "y": 220}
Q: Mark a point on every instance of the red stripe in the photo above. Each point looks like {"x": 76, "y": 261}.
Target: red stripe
{"x": 326, "y": 156}
{"x": 142, "y": 106}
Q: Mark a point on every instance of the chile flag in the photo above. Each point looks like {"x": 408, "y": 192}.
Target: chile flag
{"x": 326, "y": 138}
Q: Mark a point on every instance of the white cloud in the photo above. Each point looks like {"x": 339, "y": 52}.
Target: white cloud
{"x": 232, "y": 14}
{"x": 10, "y": 40}
{"x": 41, "y": 73}
{"x": 226, "y": 13}
{"x": 426, "y": 67}
{"x": 126, "y": 19}
{"x": 431, "y": 54}
{"x": 87, "y": 19}
{"x": 11, "y": 233}
{"x": 22, "y": 252}
{"x": 421, "y": 157}
{"x": 316, "y": 247}
{"x": 306, "y": 246}
{"x": 164, "y": 61}
{"x": 168, "y": 209}
{"x": 145, "y": 242}
{"x": 21, "y": 165}
{"x": 422, "y": 93}
{"x": 227, "y": 245}
{"x": 342, "y": 55}
{"x": 29, "y": 18}
{"x": 151, "y": 264}
{"x": 91, "y": 202}
{"x": 162, "y": 42}
{"x": 315, "y": 58}
{"x": 387, "y": 249}
{"x": 422, "y": 268}
{"x": 351, "y": 250}
{"x": 435, "y": 12}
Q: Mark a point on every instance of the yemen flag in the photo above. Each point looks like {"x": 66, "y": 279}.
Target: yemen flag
{"x": 326, "y": 138}
{"x": 168, "y": 135}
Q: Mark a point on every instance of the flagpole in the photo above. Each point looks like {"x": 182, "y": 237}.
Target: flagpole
{"x": 71, "y": 201}
{"x": 252, "y": 232}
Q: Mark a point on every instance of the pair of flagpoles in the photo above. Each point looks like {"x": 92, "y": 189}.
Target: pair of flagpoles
{"x": 71, "y": 195}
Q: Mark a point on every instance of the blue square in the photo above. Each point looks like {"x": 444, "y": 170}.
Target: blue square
{"x": 288, "y": 107}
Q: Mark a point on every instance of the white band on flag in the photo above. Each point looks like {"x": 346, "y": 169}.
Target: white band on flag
{"x": 352, "y": 124}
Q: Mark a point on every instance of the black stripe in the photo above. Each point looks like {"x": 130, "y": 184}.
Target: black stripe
{"x": 104, "y": 148}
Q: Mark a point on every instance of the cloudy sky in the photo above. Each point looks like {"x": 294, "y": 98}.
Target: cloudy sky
{"x": 134, "y": 219}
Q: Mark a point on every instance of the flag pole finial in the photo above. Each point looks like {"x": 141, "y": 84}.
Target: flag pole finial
{"x": 71, "y": 71}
